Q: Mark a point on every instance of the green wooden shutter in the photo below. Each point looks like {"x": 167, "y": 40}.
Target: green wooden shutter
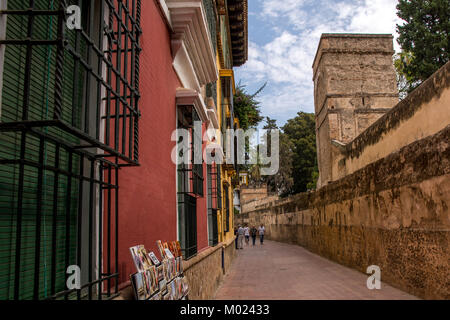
{"x": 41, "y": 108}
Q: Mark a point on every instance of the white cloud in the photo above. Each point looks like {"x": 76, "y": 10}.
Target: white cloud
{"x": 285, "y": 61}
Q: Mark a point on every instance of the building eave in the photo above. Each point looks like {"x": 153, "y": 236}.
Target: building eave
{"x": 238, "y": 18}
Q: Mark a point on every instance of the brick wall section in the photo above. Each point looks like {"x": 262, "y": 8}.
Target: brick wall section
{"x": 393, "y": 213}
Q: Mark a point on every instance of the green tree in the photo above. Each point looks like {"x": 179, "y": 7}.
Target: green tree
{"x": 282, "y": 181}
{"x": 424, "y": 38}
{"x": 247, "y": 108}
{"x": 301, "y": 131}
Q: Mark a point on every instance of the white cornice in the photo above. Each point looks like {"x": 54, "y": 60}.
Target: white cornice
{"x": 189, "y": 97}
{"x": 212, "y": 114}
{"x": 183, "y": 66}
{"x": 190, "y": 27}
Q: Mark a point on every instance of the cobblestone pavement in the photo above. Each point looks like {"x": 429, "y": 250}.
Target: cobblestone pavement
{"x": 278, "y": 271}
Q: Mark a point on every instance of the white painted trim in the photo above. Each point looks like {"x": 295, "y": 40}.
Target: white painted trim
{"x": 184, "y": 68}
{"x": 166, "y": 13}
{"x": 213, "y": 118}
{"x": 3, "y": 18}
{"x": 188, "y": 97}
{"x": 190, "y": 28}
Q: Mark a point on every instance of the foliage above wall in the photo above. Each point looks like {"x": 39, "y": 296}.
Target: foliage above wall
{"x": 247, "y": 108}
{"x": 298, "y": 171}
{"x": 424, "y": 38}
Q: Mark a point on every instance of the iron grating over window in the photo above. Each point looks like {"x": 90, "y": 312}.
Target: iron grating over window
{"x": 187, "y": 218}
{"x": 197, "y": 168}
{"x": 82, "y": 84}
{"x": 227, "y": 208}
{"x": 69, "y": 121}
{"x": 212, "y": 204}
{"x": 58, "y": 209}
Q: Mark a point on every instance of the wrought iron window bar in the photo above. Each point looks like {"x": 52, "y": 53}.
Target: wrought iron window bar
{"x": 110, "y": 90}
{"x": 62, "y": 163}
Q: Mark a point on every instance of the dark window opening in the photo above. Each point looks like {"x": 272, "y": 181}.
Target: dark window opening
{"x": 212, "y": 204}
{"x": 227, "y": 208}
{"x": 187, "y": 221}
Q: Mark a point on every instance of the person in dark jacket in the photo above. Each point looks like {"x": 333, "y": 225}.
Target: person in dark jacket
{"x": 236, "y": 237}
{"x": 253, "y": 233}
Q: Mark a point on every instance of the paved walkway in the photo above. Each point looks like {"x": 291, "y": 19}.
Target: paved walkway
{"x": 278, "y": 271}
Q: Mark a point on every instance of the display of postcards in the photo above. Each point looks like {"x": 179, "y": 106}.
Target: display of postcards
{"x": 160, "y": 272}
{"x": 179, "y": 287}
{"x": 169, "y": 254}
{"x": 144, "y": 258}
{"x": 154, "y": 279}
{"x": 171, "y": 248}
{"x": 170, "y": 291}
{"x": 153, "y": 258}
{"x": 151, "y": 286}
{"x": 137, "y": 281}
{"x": 180, "y": 253}
{"x": 175, "y": 249}
{"x": 137, "y": 258}
{"x": 173, "y": 290}
{"x": 161, "y": 249}
{"x": 180, "y": 281}
{"x": 165, "y": 246}
{"x": 157, "y": 296}
{"x": 163, "y": 285}
{"x": 174, "y": 267}
{"x": 166, "y": 267}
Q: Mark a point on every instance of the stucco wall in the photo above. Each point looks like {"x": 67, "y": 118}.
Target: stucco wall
{"x": 393, "y": 213}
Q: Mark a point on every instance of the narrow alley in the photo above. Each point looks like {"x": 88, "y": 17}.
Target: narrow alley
{"x": 278, "y": 271}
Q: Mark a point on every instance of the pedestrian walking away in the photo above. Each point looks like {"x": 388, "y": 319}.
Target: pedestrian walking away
{"x": 261, "y": 231}
{"x": 253, "y": 233}
{"x": 247, "y": 235}
{"x": 241, "y": 233}
{"x": 236, "y": 237}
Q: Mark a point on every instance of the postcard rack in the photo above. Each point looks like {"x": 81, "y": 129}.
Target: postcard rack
{"x": 159, "y": 280}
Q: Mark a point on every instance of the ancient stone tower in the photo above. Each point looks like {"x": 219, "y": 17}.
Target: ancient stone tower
{"x": 354, "y": 85}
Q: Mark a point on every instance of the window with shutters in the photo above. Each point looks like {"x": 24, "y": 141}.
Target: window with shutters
{"x": 227, "y": 208}
{"x": 213, "y": 182}
{"x": 69, "y": 115}
{"x": 190, "y": 181}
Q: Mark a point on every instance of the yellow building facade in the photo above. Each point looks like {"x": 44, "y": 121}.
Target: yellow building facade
{"x": 232, "y": 46}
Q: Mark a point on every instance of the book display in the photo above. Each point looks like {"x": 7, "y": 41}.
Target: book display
{"x": 159, "y": 279}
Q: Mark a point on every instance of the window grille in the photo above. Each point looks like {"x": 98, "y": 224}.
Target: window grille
{"x": 79, "y": 84}
{"x": 187, "y": 221}
{"x": 212, "y": 204}
{"x": 227, "y": 208}
{"x": 69, "y": 121}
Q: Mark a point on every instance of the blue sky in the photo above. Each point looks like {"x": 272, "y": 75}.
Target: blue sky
{"x": 283, "y": 39}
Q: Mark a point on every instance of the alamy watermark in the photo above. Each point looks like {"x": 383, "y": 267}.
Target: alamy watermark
{"x": 74, "y": 17}
{"x": 374, "y": 281}
{"x": 241, "y": 147}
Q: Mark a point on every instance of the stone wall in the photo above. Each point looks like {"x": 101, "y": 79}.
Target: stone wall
{"x": 205, "y": 271}
{"x": 249, "y": 194}
{"x": 393, "y": 213}
{"x": 422, "y": 113}
{"x": 354, "y": 85}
